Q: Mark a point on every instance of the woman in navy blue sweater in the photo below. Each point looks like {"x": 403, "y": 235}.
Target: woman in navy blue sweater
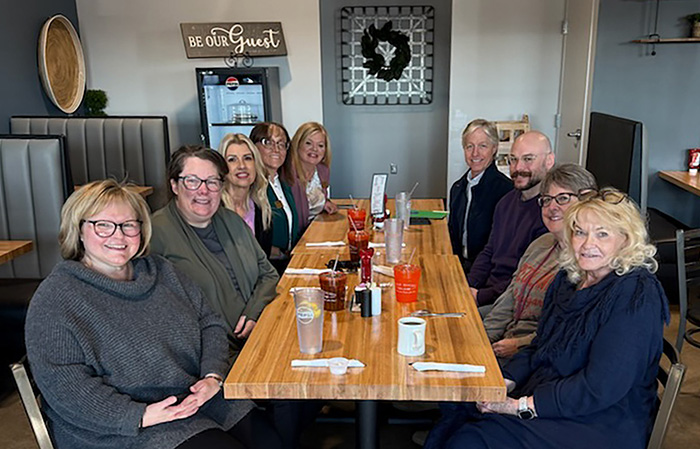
{"x": 589, "y": 377}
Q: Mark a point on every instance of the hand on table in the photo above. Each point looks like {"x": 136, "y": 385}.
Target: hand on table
{"x": 330, "y": 207}
{"x": 243, "y": 328}
{"x": 507, "y": 347}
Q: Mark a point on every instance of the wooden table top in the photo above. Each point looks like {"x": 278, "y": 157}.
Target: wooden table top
{"x": 429, "y": 239}
{"x": 9, "y": 249}
{"x": 682, "y": 179}
{"x": 263, "y": 369}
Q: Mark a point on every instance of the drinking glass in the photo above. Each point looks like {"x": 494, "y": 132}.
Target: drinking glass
{"x": 308, "y": 303}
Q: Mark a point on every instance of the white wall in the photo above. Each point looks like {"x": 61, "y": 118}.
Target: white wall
{"x": 506, "y": 59}
{"x": 134, "y": 51}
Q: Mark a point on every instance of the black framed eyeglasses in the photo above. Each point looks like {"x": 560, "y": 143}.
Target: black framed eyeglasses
{"x": 192, "y": 182}
{"x": 561, "y": 199}
{"x": 106, "y": 228}
{"x": 608, "y": 195}
{"x": 269, "y": 143}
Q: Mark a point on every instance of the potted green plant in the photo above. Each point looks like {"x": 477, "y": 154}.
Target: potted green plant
{"x": 694, "y": 20}
{"x": 95, "y": 102}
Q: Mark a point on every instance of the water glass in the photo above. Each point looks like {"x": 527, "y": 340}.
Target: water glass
{"x": 403, "y": 208}
{"x": 393, "y": 237}
{"x": 308, "y": 303}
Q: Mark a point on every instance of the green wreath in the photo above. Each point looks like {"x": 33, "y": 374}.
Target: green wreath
{"x": 376, "y": 62}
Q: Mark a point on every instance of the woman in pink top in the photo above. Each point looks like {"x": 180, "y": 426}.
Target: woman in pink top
{"x": 245, "y": 186}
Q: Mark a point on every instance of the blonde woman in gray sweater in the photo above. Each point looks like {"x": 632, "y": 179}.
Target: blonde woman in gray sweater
{"x": 124, "y": 348}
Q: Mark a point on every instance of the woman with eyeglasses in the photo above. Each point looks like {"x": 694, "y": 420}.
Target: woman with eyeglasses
{"x": 272, "y": 140}
{"x": 212, "y": 244}
{"x": 589, "y": 377}
{"x": 474, "y": 196}
{"x": 308, "y": 172}
{"x": 245, "y": 187}
{"x": 125, "y": 349}
{"x": 512, "y": 322}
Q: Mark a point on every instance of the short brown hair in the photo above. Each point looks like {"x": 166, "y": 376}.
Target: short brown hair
{"x": 264, "y": 130}
{"x": 178, "y": 159}
{"x": 89, "y": 200}
{"x": 569, "y": 176}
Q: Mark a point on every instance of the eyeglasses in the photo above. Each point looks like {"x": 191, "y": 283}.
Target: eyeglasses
{"x": 106, "y": 228}
{"x": 561, "y": 199}
{"x": 191, "y": 182}
{"x": 608, "y": 195}
{"x": 527, "y": 159}
{"x": 269, "y": 143}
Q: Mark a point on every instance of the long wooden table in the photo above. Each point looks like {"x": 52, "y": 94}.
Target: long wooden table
{"x": 431, "y": 238}
{"x": 263, "y": 368}
{"x": 9, "y": 249}
{"x": 682, "y": 179}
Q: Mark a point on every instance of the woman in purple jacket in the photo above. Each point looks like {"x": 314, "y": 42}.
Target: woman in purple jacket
{"x": 307, "y": 171}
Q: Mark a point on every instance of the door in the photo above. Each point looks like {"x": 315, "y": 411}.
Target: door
{"x": 408, "y": 141}
{"x": 580, "y": 29}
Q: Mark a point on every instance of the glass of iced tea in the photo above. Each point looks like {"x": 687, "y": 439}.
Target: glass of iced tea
{"x": 357, "y": 241}
{"x": 356, "y": 219}
{"x": 334, "y": 286}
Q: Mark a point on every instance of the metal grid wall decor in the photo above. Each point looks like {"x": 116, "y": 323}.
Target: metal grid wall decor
{"x": 415, "y": 83}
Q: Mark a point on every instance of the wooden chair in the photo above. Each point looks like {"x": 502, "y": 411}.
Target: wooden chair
{"x": 508, "y": 131}
{"x": 25, "y": 385}
{"x": 688, "y": 266}
{"x": 671, "y": 379}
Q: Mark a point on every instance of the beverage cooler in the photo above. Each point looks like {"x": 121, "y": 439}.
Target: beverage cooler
{"x": 233, "y": 100}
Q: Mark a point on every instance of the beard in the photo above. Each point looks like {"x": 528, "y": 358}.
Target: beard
{"x": 533, "y": 179}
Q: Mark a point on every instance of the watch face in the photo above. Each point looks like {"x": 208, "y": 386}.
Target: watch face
{"x": 526, "y": 414}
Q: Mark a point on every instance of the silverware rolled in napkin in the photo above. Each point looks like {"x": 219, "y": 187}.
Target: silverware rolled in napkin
{"x": 323, "y": 363}
{"x": 455, "y": 367}
{"x": 321, "y": 244}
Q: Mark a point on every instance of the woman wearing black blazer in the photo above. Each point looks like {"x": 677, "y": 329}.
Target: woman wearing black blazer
{"x": 474, "y": 196}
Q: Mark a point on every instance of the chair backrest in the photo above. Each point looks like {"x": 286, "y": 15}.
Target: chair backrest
{"x": 136, "y": 148}
{"x": 34, "y": 184}
{"x": 31, "y": 404}
{"x": 671, "y": 378}
{"x": 508, "y": 131}
{"x": 688, "y": 266}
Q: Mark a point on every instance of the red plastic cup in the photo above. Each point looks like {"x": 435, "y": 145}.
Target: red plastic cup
{"x": 406, "y": 279}
{"x": 333, "y": 284}
{"x": 357, "y": 217}
{"x": 357, "y": 241}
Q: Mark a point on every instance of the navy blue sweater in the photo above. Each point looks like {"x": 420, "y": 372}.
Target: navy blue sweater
{"x": 594, "y": 361}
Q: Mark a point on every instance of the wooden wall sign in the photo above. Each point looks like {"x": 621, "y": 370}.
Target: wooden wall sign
{"x": 214, "y": 40}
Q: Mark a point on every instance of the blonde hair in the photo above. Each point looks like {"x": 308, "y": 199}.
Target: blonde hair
{"x": 258, "y": 190}
{"x": 623, "y": 217}
{"x": 292, "y": 170}
{"x": 489, "y": 128}
{"x": 91, "y": 199}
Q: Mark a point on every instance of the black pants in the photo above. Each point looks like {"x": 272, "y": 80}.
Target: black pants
{"x": 251, "y": 432}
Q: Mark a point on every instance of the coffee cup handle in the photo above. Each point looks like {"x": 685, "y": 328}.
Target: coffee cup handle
{"x": 417, "y": 337}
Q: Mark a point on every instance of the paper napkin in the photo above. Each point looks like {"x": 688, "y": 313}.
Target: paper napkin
{"x": 321, "y": 244}
{"x": 323, "y": 363}
{"x": 456, "y": 367}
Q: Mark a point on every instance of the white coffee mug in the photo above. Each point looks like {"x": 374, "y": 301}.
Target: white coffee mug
{"x": 411, "y": 336}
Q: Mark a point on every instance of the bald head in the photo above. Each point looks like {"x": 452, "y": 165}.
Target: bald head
{"x": 530, "y": 159}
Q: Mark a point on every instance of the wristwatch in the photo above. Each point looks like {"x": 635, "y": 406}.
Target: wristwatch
{"x": 525, "y": 412}
{"x": 216, "y": 377}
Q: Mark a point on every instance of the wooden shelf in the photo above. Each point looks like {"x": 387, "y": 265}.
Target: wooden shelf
{"x": 674, "y": 40}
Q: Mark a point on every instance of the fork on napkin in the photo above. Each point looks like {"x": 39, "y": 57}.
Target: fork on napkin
{"x": 330, "y": 243}
{"x": 323, "y": 363}
{"x": 456, "y": 367}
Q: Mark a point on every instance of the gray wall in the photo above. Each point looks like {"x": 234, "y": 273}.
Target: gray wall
{"x": 662, "y": 91}
{"x": 21, "y": 91}
{"x": 366, "y": 139}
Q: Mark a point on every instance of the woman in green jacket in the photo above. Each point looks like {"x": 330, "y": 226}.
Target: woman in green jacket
{"x": 273, "y": 142}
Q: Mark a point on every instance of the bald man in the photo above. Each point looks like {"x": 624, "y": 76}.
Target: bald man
{"x": 517, "y": 220}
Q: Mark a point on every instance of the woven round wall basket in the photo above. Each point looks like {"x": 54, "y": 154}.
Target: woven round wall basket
{"x": 61, "y": 63}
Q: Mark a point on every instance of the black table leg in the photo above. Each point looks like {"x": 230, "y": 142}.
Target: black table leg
{"x": 366, "y": 427}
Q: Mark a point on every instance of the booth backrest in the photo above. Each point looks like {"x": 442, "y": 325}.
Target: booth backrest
{"x": 120, "y": 147}
{"x": 34, "y": 184}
